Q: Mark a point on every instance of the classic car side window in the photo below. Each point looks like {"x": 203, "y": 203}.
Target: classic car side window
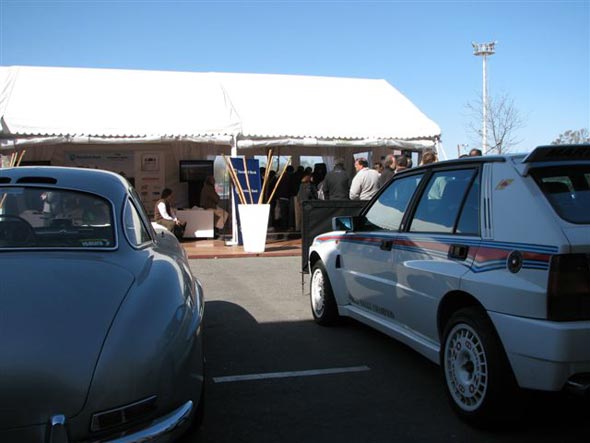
{"x": 440, "y": 203}
{"x": 388, "y": 210}
{"x": 135, "y": 230}
{"x": 136, "y": 200}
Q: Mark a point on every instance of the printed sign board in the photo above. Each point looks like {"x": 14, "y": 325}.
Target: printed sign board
{"x": 251, "y": 189}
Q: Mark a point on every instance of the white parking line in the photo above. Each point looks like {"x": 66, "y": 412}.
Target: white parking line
{"x": 308, "y": 373}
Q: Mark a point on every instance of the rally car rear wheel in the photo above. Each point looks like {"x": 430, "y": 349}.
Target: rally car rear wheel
{"x": 323, "y": 304}
{"x": 478, "y": 377}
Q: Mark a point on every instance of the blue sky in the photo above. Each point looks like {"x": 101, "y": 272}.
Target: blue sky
{"x": 423, "y": 48}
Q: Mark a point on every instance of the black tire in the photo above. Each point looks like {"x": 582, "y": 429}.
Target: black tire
{"x": 321, "y": 296}
{"x": 479, "y": 381}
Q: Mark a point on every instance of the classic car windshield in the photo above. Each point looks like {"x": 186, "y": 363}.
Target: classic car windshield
{"x": 36, "y": 217}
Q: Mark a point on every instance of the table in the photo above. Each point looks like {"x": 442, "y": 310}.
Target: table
{"x": 199, "y": 222}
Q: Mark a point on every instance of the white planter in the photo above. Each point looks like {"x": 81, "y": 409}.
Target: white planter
{"x": 254, "y": 223}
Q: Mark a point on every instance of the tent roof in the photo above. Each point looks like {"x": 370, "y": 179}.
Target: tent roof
{"x": 113, "y": 103}
{"x": 324, "y": 107}
{"x": 126, "y": 103}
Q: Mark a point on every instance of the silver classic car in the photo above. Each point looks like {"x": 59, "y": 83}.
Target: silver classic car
{"x": 100, "y": 319}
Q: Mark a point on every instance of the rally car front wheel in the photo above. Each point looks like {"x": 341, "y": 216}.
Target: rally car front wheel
{"x": 323, "y": 304}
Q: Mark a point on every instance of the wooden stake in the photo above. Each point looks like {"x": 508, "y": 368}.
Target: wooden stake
{"x": 235, "y": 180}
{"x": 248, "y": 179}
{"x": 266, "y": 174}
{"x": 231, "y": 176}
{"x": 279, "y": 180}
{"x": 20, "y": 159}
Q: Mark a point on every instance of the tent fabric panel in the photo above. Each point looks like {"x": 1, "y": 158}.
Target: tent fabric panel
{"x": 110, "y": 102}
{"x": 320, "y": 143}
{"x": 275, "y": 106}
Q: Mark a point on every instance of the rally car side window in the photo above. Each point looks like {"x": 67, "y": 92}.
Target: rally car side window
{"x": 469, "y": 218}
{"x": 439, "y": 206}
{"x": 388, "y": 210}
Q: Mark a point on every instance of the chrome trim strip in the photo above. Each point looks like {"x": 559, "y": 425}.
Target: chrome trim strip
{"x": 160, "y": 427}
{"x": 95, "y": 421}
{"x": 486, "y": 199}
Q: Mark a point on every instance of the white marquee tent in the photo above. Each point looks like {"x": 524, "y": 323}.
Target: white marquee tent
{"x": 58, "y": 113}
{"x": 42, "y": 105}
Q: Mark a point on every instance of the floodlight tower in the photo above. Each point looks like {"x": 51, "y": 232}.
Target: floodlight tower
{"x": 483, "y": 50}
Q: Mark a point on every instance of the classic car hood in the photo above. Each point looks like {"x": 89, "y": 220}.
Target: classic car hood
{"x": 55, "y": 312}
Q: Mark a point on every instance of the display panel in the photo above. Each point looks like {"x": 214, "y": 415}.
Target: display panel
{"x": 195, "y": 170}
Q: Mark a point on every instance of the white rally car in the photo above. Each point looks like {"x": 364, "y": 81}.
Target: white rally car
{"x": 480, "y": 264}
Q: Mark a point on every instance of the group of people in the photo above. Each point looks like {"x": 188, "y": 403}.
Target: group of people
{"x": 165, "y": 211}
{"x": 366, "y": 181}
{"x": 299, "y": 185}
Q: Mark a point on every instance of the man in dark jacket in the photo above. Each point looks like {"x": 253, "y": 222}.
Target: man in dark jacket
{"x": 388, "y": 170}
{"x": 337, "y": 183}
{"x": 283, "y": 195}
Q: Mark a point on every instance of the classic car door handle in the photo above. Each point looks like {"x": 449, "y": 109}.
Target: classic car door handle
{"x": 386, "y": 245}
{"x": 458, "y": 252}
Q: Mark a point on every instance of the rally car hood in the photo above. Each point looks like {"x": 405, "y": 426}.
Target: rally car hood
{"x": 55, "y": 312}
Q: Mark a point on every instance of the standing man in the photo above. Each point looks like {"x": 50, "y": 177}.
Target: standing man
{"x": 283, "y": 195}
{"x": 475, "y": 153}
{"x": 336, "y": 183}
{"x": 401, "y": 163}
{"x": 365, "y": 183}
{"x": 388, "y": 170}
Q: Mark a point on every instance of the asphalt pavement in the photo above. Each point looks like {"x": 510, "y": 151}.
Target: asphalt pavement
{"x": 273, "y": 375}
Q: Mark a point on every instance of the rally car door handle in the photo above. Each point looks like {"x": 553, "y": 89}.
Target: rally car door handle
{"x": 386, "y": 245}
{"x": 458, "y": 252}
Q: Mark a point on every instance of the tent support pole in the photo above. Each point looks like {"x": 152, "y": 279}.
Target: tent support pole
{"x": 440, "y": 152}
{"x": 234, "y": 218}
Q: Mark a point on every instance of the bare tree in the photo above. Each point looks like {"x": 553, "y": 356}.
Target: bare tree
{"x": 503, "y": 121}
{"x": 570, "y": 137}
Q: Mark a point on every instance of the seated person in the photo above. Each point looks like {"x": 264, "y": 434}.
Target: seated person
{"x": 210, "y": 200}
{"x": 165, "y": 215}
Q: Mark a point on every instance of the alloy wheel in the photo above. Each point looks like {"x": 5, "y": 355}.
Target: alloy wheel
{"x": 466, "y": 367}
{"x": 317, "y": 292}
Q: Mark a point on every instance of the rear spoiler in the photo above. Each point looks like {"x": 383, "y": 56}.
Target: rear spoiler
{"x": 557, "y": 153}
